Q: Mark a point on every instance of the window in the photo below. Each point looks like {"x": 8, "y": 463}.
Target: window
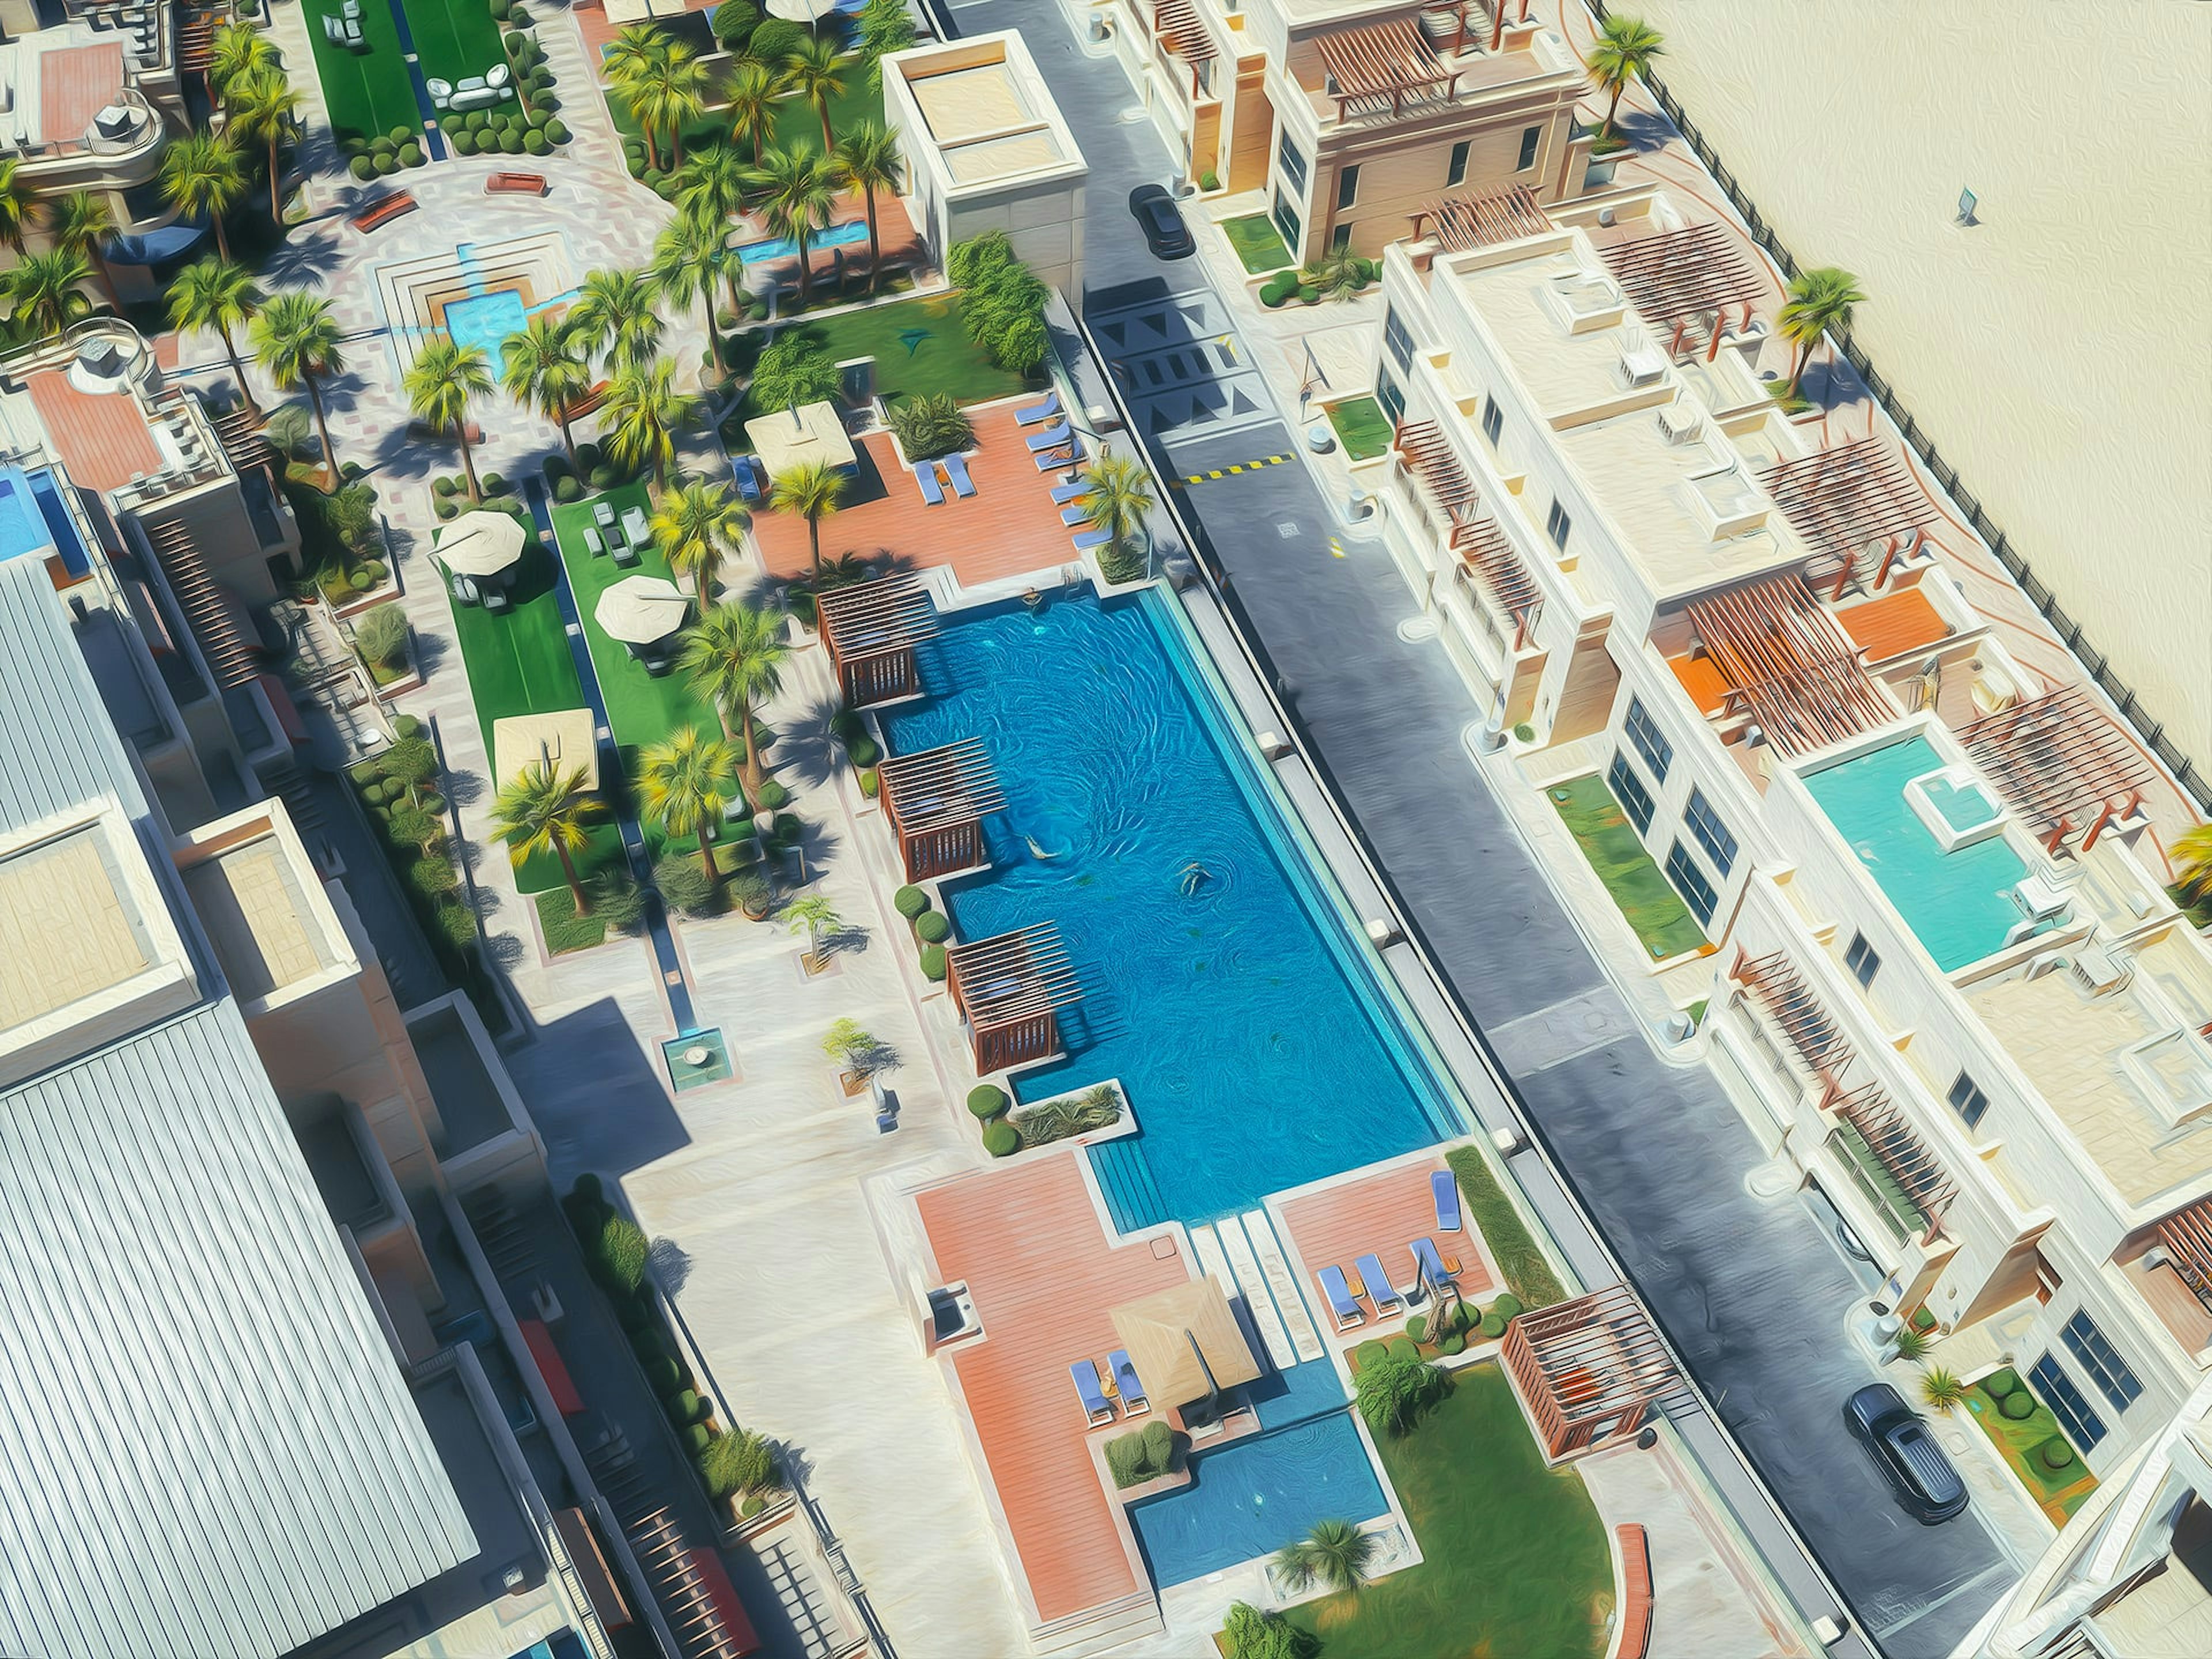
{"x": 1493, "y": 420}
{"x": 1341, "y": 237}
{"x": 1557, "y": 523}
{"x": 2083, "y": 1426}
{"x": 1456, "y": 173}
{"x": 1650, "y": 742}
{"x": 1398, "y": 339}
{"x": 1291, "y": 165}
{"x": 1392, "y": 399}
{"x": 1712, "y": 835}
{"x": 1690, "y": 881}
{"x": 1347, "y": 187}
{"x": 1529, "y": 139}
{"x": 1286, "y": 221}
{"x": 1861, "y": 960}
{"x": 1628, "y": 789}
{"x": 2102, "y": 1361}
{"x": 1968, "y": 1101}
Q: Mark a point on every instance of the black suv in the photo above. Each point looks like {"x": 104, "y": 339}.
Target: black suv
{"x": 1926, "y": 1483}
{"x": 1161, "y": 220}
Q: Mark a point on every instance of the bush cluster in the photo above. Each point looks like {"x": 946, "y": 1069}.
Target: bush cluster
{"x": 988, "y": 1101}
{"x": 1278, "y": 288}
{"x": 910, "y": 902}
{"x": 1005, "y": 309}
{"x": 930, "y": 425}
{"x": 1142, "y": 1455}
{"x": 381, "y": 154}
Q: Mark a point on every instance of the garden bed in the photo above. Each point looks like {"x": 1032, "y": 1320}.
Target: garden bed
{"x": 1361, "y": 426}
{"x": 367, "y": 92}
{"x": 1491, "y": 1213}
{"x": 2019, "y": 1442}
{"x": 1257, "y": 242}
{"x": 1646, "y": 899}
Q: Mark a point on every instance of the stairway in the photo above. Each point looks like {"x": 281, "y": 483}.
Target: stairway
{"x": 1132, "y": 1198}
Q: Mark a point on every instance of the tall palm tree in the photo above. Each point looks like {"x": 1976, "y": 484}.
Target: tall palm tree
{"x": 2192, "y": 863}
{"x": 545, "y": 370}
{"x": 1624, "y": 49}
{"x": 644, "y": 411}
{"x": 236, "y": 50}
{"x": 16, "y": 204}
{"x": 542, "y": 810}
{"x": 445, "y": 377}
{"x": 799, "y": 192}
{"x": 681, "y": 782}
{"x": 1119, "y": 499}
{"x": 733, "y": 656}
{"x": 41, "y": 289}
{"x": 752, "y": 93}
{"x": 812, "y": 490}
{"x": 201, "y": 173}
{"x": 615, "y": 315}
{"x": 698, "y": 522}
{"x": 868, "y": 160}
{"x": 1820, "y": 300}
{"x": 78, "y": 223}
{"x": 634, "y": 50}
{"x": 710, "y": 185}
{"x": 663, "y": 96}
{"x": 217, "y": 295}
{"x": 296, "y": 338}
{"x": 264, "y": 109}
{"x": 687, "y": 262}
{"x": 816, "y": 72}
{"x": 1334, "y": 1555}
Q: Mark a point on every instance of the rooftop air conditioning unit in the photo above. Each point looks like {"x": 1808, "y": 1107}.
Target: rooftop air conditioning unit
{"x": 2096, "y": 974}
{"x": 1679, "y": 424}
{"x": 1642, "y": 363}
{"x": 1606, "y": 216}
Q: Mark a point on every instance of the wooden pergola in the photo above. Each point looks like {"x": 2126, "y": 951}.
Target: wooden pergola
{"x": 1489, "y": 558}
{"x": 1679, "y": 275}
{"x": 1175, "y": 22}
{"x": 1911, "y": 1163}
{"x": 936, "y": 800}
{"x": 1482, "y": 219}
{"x": 1424, "y": 451}
{"x": 2061, "y": 762}
{"x": 1011, "y": 989}
{"x": 1380, "y": 66}
{"x": 2187, "y": 1236}
{"x": 1795, "y": 668}
{"x": 1588, "y": 1368}
{"x": 1847, "y": 498}
{"x": 245, "y": 446}
{"x": 871, "y": 629}
{"x": 1777, "y": 986}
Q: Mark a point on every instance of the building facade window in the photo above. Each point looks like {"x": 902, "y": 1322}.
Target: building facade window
{"x": 1341, "y": 237}
{"x": 1557, "y": 524}
{"x": 1690, "y": 881}
{"x": 1291, "y": 165}
{"x": 1968, "y": 1101}
{"x": 1286, "y": 221}
{"x": 1711, "y": 834}
{"x": 1628, "y": 789}
{"x": 2067, "y": 1402}
{"x": 1391, "y": 398}
{"x": 1650, "y": 742}
{"x": 1398, "y": 340}
{"x": 2096, "y": 1355}
{"x": 1530, "y": 137}
{"x": 1862, "y": 960}
{"x": 1347, "y": 187}
{"x": 1456, "y": 172}
{"x": 1494, "y": 420}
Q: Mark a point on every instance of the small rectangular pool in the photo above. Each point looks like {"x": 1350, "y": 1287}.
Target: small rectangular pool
{"x": 34, "y": 519}
{"x": 1958, "y": 903}
{"x": 484, "y": 320}
{"x": 784, "y": 247}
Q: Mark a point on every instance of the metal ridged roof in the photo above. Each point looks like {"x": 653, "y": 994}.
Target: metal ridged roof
{"x": 209, "y": 1452}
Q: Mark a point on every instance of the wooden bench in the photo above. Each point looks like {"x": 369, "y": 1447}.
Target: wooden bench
{"x": 1635, "y": 1622}
{"x": 589, "y": 404}
{"x": 383, "y": 210}
{"x": 516, "y": 184}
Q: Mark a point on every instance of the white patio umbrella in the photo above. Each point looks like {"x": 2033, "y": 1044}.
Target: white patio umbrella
{"x": 641, "y": 610}
{"x": 480, "y": 544}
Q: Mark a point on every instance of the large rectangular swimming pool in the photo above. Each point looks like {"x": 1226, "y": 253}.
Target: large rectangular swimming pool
{"x": 1223, "y": 983}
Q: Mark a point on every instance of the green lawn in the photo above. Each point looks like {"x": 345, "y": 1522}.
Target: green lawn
{"x": 1257, "y": 242}
{"x": 939, "y": 357}
{"x": 564, "y": 930}
{"x": 1638, "y": 886}
{"x": 1516, "y": 1558}
{"x": 369, "y": 92}
{"x": 796, "y": 122}
{"x": 2057, "y": 1493}
{"x": 453, "y": 39}
{"x": 1361, "y": 426}
{"x": 1528, "y": 1272}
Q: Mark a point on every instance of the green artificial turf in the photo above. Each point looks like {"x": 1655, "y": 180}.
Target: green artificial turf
{"x": 920, "y": 346}
{"x": 2057, "y": 1493}
{"x": 1361, "y": 426}
{"x": 1257, "y": 242}
{"x": 1516, "y": 1560}
{"x": 563, "y": 928}
{"x": 1637, "y": 886}
{"x": 453, "y": 39}
{"x": 367, "y": 92}
{"x": 1528, "y": 1272}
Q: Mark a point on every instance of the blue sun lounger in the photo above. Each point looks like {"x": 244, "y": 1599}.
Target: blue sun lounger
{"x": 955, "y": 469}
{"x": 1090, "y": 538}
{"x": 1074, "y": 513}
{"x": 925, "y": 476}
{"x": 1095, "y": 1405}
{"x": 1380, "y": 1290}
{"x": 1062, "y": 494}
{"x": 1051, "y": 438}
{"x": 1046, "y": 411}
{"x": 748, "y": 476}
{"x": 1126, "y": 1381}
{"x": 1069, "y": 454}
{"x": 1341, "y": 1302}
{"x": 1444, "y": 1187}
{"x": 1431, "y": 1264}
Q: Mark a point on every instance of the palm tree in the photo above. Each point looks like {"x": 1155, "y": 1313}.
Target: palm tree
{"x": 752, "y": 94}
{"x": 544, "y": 809}
{"x": 264, "y": 109}
{"x": 1818, "y": 300}
{"x": 1942, "y": 1389}
{"x": 2192, "y": 861}
{"x": 698, "y": 522}
{"x": 236, "y": 52}
{"x": 644, "y": 411}
{"x": 441, "y": 382}
{"x": 1119, "y": 499}
{"x": 78, "y": 223}
{"x": 799, "y": 192}
{"x": 296, "y": 338}
{"x": 16, "y": 204}
{"x": 1334, "y": 1555}
{"x": 615, "y": 314}
{"x": 1624, "y": 49}
{"x": 634, "y": 50}
{"x": 812, "y": 490}
{"x": 201, "y": 173}
{"x": 816, "y": 72}
{"x": 733, "y": 656}
{"x": 869, "y": 160}
{"x": 710, "y": 185}
{"x": 544, "y": 369}
{"x": 663, "y": 96}
{"x": 1337, "y": 274}
{"x": 681, "y": 782}
{"x": 687, "y": 262}
{"x": 813, "y": 915}
{"x": 218, "y": 294}
{"x": 41, "y": 289}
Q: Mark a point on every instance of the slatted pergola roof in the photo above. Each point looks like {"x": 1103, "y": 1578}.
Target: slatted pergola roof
{"x": 1484, "y": 549}
{"x": 2187, "y": 1236}
{"x": 933, "y": 788}
{"x": 1428, "y": 454}
{"x": 1911, "y": 1163}
{"x": 1681, "y": 275}
{"x": 1012, "y": 989}
{"x": 2060, "y": 761}
{"x": 1788, "y": 658}
{"x": 1591, "y": 1366}
{"x": 1175, "y": 22}
{"x": 871, "y": 629}
{"x": 245, "y": 446}
{"x": 1379, "y": 65}
{"x": 1779, "y": 987}
{"x": 1840, "y": 500}
{"x": 1483, "y": 218}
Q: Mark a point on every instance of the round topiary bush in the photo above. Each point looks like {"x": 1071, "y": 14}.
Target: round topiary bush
{"x": 695, "y": 1438}
{"x": 1399, "y": 1347}
{"x": 1998, "y": 1384}
{"x": 1507, "y": 1306}
{"x": 447, "y": 506}
{"x": 401, "y": 135}
{"x": 1367, "y": 1353}
{"x": 933, "y": 963}
{"x": 1452, "y": 1343}
{"x": 511, "y": 143}
{"x": 410, "y": 156}
{"x": 2018, "y": 1404}
{"x": 442, "y": 485}
{"x": 405, "y": 726}
{"x": 773, "y": 797}
{"x": 987, "y": 1100}
{"x": 360, "y": 581}
{"x": 535, "y": 142}
{"x": 566, "y": 490}
{"x": 2055, "y": 1453}
{"x": 463, "y": 143}
{"x": 863, "y": 752}
{"x": 478, "y": 119}
{"x": 910, "y": 902}
{"x": 605, "y": 477}
{"x": 517, "y": 42}
{"x": 933, "y": 927}
{"x": 362, "y": 168}
{"x": 387, "y": 164}
{"x": 684, "y": 1406}
{"x": 558, "y": 131}
{"x": 1000, "y": 1139}
{"x": 1417, "y": 1328}
{"x": 665, "y": 1376}
{"x": 494, "y": 483}
{"x": 1491, "y": 1327}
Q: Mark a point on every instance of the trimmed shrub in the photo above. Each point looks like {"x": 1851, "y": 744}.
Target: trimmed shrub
{"x": 933, "y": 963}
{"x": 1507, "y": 1306}
{"x": 910, "y": 902}
{"x": 405, "y": 726}
{"x": 1367, "y": 1353}
{"x": 362, "y": 168}
{"x": 456, "y": 923}
{"x": 1491, "y": 1327}
{"x": 1308, "y": 295}
{"x": 773, "y": 797}
{"x": 666, "y": 1377}
{"x": 1998, "y": 1384}
{"x": 987, "y": 1100}
{"x": 869, "y": 781}
{"x": 410, "y": 156}
{"x": 434, "y": 877}
{"x": 2055, "y": 1453}
{"x": 738, "y": 1461}
{"x": 1159, "y": 1443}
{"x": 605, "y": 477}
{"x": 1401, "y": 1347}
{"x": 1125, "y": 1460}
{"x": 446, "y": 508}
{"x": 501, "y": 10}
{"x": 387, "y": 164}
{"x": 1453, "y": 1342}
{"x": 478, "y": 119}
{"x": 511, "y": 143}
{"x": 684, "y": 1406}
{"x": 401, "y": 135}
{"x": 567, "y": 490}
{"x": 1001, "y": 1138}
{"x": 1209, "y": 180}
{"x": 518, "y": 44}
{"x": 557, "y": 131}
{"x": 2018, "y": 1404}
{"x": 616, "y": 1252}
{"x": 535, "y": 142}
{"x": 776, "y": 40}
{"x": 695, "y": 1438}
{"x": 494, "y": 483}
{"x": 684, "y": 886}
{"x": 863, "y": 752}
{"x": 1278, "y": 288}
{"x": 933, "y": 927}
{"x": 1417, "y": 1328}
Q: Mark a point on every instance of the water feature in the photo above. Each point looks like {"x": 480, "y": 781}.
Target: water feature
{"x": 484, "y": 320}
{"x": 784, "y": 247}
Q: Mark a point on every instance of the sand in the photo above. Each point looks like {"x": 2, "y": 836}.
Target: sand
{"x": 2059, "y": 351}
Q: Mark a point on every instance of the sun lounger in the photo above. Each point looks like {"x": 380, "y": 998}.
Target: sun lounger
{"x": 1095, "y": 1405}
{"x": 594, "y": 544}
{"x": 625, "y": 554}
{"x": 1380, "y": 1290}
{"x": 925, "y": 477}
{"x": 1341, "y": 1302}
{"x": 1059, "y": 460}
{"x": 1075, "y": 513}
{"x": 1126, "y": 1381}
{"x": 1047, "y": 410}
{"x": 1062, "y": 494}
{"x": 747, "y": 468}
{"x": 1429, "y": 1264}
{"x": 603, "y": 514}
{"x": 1444, "y": 1187}
{"x": 955, "y": 469}
{"x": 636, "y": 530}
{"x": 1089, "y": 538}
{"x": 1050, "y": 438}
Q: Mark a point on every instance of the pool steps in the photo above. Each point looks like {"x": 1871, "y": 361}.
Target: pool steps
{"x": 1132, "y": 1198}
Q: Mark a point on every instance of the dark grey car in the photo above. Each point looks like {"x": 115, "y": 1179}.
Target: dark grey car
{"x": 1161, "y": 220}
{"x": 1914, "y": 1464}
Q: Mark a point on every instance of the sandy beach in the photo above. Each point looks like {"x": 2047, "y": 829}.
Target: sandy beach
{"x": 2060, "y": 350}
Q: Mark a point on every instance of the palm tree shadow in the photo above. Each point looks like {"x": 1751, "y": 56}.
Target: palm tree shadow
{"x": 809, "y": 749}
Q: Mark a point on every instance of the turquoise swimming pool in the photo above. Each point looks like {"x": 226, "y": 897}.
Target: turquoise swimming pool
{"x": 1958, "y": 904}
{"x": 784, "y": 247}
{"x": 34, "y": 519}
{"x": 1223, "y": 981}
{"x": 484, "y": 320}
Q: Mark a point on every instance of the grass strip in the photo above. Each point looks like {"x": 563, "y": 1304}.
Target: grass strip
{"x": 1638, "y": 886}
{"x": 1528, "y": 1274}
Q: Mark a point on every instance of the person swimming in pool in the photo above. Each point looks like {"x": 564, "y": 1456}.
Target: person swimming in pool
{"x": 1194, "y": 877}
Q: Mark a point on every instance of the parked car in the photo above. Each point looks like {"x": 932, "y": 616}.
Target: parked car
{"x": 1926, "y": 1484}
{"x": 1161, "y": 220}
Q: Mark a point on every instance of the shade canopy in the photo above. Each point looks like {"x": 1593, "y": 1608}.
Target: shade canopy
{"x": 791, "y": 437}
{"x": 480, "y": 544}
{"x": 561, "y": 741}
{"x": 1185, "y": 1343}
{"x": 641, "y": 610}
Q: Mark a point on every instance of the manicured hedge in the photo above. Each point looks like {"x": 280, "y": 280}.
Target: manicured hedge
{"x": 1001, "y": 1138}
{"x": 987, "y": 1100}
{"x": 910, "y": 902}
{"x": 933, "y": 963}
{"x": 1526, "y": 1272}
{"x": 933, "y": 927}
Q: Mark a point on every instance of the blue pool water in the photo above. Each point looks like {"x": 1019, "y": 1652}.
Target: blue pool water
{"x": 783, "y": 247}
{"x": 34, "y": 518}
{"x": 485, "y": 320}
{"x": 1258, "y": 1048}
{"x": 1962, "y": 809}
{"x": 1958, "y": 903}
{"x": 1254, "y": 1496}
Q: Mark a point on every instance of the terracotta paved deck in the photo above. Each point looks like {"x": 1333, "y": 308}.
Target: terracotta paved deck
{"x": 101, "y": 437}
{"x": 1008, "y": 527}
{"x": 1045, "y": 1284}
{"x": 1894, "y": 625}
{"x": 75, "y": 84}
{"x": 1385, "y": 1213}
